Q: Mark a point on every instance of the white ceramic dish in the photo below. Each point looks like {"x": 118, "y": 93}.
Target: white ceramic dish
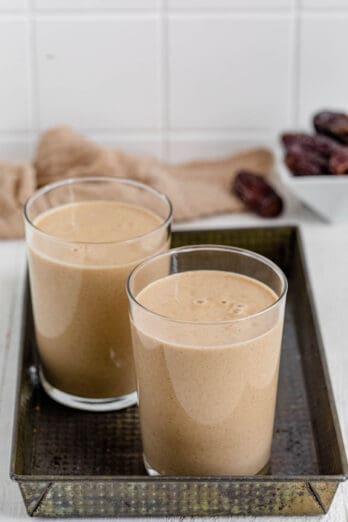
{"x": 326, "y": 195}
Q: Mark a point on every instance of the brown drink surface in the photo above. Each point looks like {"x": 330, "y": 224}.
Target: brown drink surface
{"x": 207, "y": 391}
{"x": 78, "y": 291}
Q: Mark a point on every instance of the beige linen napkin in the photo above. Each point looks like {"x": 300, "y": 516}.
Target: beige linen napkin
{"x": 198, "y": 188}
{"x": 17, "y": 183}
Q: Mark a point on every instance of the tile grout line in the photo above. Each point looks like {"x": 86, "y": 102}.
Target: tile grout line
{"x": 297, "y": 61}
{"x": 140, "y": 11}
{"x": 259, "y": 12}
{"x": 96, "y": 11}
{"x": 295, "y": 66}
{"x": 183, "y": 11}
{"x": 155, "y": 134}
{"x": 33, "y": 84}
{"x": 163, "y": 43}
{"x": 201, "y": 13}
{"x": 325, "y": 11}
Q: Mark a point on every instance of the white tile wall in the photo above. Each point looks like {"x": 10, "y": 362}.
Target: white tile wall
{"x": 231, "y": 4}
{"x": 94, "y": 4}
{"x": 221, "y": 77}
{"x": 14, "y": 75}
{"x": 185, "y": 147}
{"x": 18, "y": 149}
{"x": 140, "y": 143}
{"x": 99, "y": 73}
{"x": 323, "y": 63}
{"x": 324, "y": 4}
{"x": 174, "y": 78}
{"x": 13, "y": 5}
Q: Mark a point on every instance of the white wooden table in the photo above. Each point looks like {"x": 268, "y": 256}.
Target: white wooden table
{"x": 326, "y": 248}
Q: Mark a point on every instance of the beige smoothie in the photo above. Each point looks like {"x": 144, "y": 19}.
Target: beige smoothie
{"x": 78, "y": 273}
{"x": 207, "y": 384}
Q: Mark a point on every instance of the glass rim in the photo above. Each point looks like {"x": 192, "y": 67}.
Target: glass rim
{"x": 209, "y": 247}
{"x": 71, "y": 181}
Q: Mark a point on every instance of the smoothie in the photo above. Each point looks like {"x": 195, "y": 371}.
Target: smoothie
{"x": 207, "y": 382}
{"x": 80, "y": 256}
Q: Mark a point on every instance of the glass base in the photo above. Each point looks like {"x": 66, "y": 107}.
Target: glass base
{"x": 149, "y": 470}
{"x": 85, "y": 403}
{"x": 153, "y": 473}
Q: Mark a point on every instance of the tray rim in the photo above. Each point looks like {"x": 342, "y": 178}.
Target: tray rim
{"x": 323, "y": 358}
{"x": 296, "y": 229}
{"x": 168, "y": 478}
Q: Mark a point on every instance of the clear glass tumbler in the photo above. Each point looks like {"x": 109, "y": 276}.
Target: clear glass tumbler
{"x": 207, "y": 388}
{"x": 78, "y": 285}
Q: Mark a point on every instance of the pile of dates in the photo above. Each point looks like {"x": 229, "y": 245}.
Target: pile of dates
{"x": 325, "y": 152}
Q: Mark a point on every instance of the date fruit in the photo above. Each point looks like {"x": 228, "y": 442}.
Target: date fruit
{"x": 321, "y": 145}
{"x": 338, "y": 164}
{"x": 332, "y": 124}
{"x": 257, "y": 194}
{"x": 305, "y": 163}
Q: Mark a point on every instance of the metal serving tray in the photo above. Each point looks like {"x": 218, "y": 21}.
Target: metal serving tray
{"x": 71, "y": 463}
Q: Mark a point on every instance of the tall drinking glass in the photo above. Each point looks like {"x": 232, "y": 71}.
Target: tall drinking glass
{"x": 84, "y": 237}
{"x": 206, "y": 326}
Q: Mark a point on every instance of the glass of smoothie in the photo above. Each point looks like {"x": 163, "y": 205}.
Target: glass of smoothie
{"x": 207, "y": 325}
{"x": 84, "y": 237}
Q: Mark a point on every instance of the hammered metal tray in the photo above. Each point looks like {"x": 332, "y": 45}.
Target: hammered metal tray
{"x": 70, "y": 463}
